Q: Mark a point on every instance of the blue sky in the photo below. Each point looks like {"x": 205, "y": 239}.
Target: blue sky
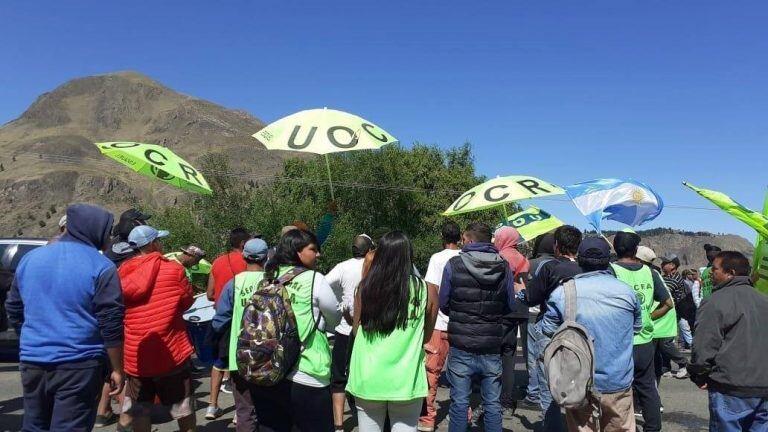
{"x": 567, "y": 91}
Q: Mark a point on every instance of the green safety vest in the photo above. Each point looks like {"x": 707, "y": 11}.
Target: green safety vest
{"x": 641, "y": 282}
{"x": 392, "y": 367}
{"x": 245, "y": 284}
{"x": 706, "y": 283}
{"x": 666, "y": 326}
{"x": 315, "y": 359}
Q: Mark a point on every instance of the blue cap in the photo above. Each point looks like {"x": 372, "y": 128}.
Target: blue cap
{"x": 143, "y": 235}
{"x": 255, "y": 249}
{"x": 594, "y": 248}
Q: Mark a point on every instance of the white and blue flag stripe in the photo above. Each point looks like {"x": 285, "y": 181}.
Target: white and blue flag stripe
{"x": 623, "y": 200}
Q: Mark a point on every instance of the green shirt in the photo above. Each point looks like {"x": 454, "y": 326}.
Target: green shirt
{"x": 641, "y": 282}
{"x": 244, "y": 284}
{"x": 392, "y": 367}
{"x": 666, "y": 326}
{"x": 706, "y": 283}
{"x": 315, "y": 359}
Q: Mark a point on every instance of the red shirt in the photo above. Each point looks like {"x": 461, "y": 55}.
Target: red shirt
{"x": 225, "y": 268}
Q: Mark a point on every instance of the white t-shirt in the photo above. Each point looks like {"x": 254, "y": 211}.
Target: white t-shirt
{"x": 435, "y": 276}
{"x": 344, "y": 279}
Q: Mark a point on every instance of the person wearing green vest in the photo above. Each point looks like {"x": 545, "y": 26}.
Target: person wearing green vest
{"x": 666, "y": 327}
{"x": 649, "y": 288}
{"x": 302, "y": 400}
{"x": 706, "y": 272}
{"x": 394, "y": 316}
{"x": 229, "y": 312}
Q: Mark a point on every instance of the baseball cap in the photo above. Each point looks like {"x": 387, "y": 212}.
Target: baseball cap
{"x": 671, "y": 258}
{"x": 255, "y": 249}
{"x": 143, "y": 235}
{"x": 594, "y": 248}
{"x": 645, "y": 254}
{"x": 63, "y": 221}
{"x": 194, "y": 251}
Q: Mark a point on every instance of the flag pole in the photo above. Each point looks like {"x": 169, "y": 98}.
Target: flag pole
{"x": 330, "y": 182}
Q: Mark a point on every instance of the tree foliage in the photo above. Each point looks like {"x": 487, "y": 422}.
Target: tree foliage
{"x": 375, "y": 191}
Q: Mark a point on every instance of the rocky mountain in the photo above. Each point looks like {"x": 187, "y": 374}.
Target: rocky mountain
{"x": 689, "y": 246}
{"x": 47, "y": 156}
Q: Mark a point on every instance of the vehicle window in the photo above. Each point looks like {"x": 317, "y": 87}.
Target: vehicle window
{"x": 11, "y": 254}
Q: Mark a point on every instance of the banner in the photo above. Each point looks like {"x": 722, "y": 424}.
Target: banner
{"x": 532, "y": 223}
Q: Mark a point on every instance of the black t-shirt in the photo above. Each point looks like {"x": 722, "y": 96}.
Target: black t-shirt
{"x": 660, "y": 293}
{"x": 548, "y": 278}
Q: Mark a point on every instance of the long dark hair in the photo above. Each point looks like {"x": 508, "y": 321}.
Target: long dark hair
{"x": 287, "y": 251}
{"x": 385, "y": 292}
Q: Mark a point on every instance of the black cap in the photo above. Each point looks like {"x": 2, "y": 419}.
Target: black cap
{"x": 671, "y": 258}
{"x": 134, "y": 214}
{"x": 594, "y": 248}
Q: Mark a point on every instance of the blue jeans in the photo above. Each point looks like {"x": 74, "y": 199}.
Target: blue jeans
{"x": 533, "y": 375}
{"x": 731, "y": 413}
{"x": 552, "y": 418}
{"x": 462, "y": 366}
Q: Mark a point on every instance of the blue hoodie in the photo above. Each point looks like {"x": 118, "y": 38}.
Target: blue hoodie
{"x": 66, "y": 300}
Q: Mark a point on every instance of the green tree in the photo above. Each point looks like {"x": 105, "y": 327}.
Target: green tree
{"x": 375, "y": 191}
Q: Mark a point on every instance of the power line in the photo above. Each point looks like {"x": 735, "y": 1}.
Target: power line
{"x": 108, "y": 166}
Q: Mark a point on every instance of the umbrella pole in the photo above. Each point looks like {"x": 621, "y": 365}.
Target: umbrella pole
{"x": 330, "y": 182}
{"x": 506, "y": 213}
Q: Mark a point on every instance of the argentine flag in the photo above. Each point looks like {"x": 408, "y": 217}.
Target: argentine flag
{"x": 627, "y": 201}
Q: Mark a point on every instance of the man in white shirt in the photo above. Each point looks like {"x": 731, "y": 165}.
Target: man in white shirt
{"x": 437, "y": 347}
{"x": 344, "y": 279}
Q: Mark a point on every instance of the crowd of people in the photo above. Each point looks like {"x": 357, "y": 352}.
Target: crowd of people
{"x": 99, "y": 313}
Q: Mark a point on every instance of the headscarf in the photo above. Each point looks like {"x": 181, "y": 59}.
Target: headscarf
{"x": 506, "y": 240}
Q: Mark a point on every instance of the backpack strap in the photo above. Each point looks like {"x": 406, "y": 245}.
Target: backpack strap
{"x": 570, "y": 300}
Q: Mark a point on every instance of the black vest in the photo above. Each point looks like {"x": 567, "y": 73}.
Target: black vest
{"x": 476, "y": 311}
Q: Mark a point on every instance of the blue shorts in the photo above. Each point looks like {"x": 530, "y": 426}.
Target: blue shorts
{"x": 221, "y": 363}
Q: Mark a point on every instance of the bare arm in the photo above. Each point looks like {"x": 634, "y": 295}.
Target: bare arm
{"x": 209, "y": 291}
{"x": 431, "y": 312}
{"x": 663, "y": 308}
{"x": 356, "y": 318}
{"x": 117, "y": 378}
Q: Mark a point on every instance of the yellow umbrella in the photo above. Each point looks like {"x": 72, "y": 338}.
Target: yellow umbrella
{"x": 323, "y": 131}
{"x": 158, "y": 162}
{"x": 501, "y": 191}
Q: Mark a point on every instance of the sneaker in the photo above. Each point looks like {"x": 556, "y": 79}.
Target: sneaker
{"x": 661, "y": 409}
{"x": 105, "y": 420}
{"x": 425, "y": 428}
{"x": 667, "y": 374}
{"x": 682, "y": 373}
{"x": 226, "y": 387}
{"x": 529, "y": 404}
{"x": 212, "y": 412}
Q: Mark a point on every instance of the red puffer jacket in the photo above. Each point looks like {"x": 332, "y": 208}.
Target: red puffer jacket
{"x": 156, "y": 292}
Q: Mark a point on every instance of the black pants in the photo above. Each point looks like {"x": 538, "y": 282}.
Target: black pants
{"x": 289, "y": 405}
{"x": 61, "y": 397}
{"x": 644, "y": 386}
{"x": 508, "y": 350}
{"x": 244, "y": 407}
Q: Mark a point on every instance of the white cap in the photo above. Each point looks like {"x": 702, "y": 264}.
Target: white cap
{"x": 645, "y": 254}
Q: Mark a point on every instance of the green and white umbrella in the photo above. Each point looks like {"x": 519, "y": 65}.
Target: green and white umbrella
{"x": 157, "y": 162}
{"x": 323, "y": 131}
{"x": 501, "y": 191}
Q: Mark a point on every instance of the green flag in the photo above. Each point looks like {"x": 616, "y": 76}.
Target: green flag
{"x": 750, "y": 217}
{"x": 532, "y": 223}
{"x": 760, "y": 264}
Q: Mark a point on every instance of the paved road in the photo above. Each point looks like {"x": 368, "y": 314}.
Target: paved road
{"x": 685, "y": 407}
